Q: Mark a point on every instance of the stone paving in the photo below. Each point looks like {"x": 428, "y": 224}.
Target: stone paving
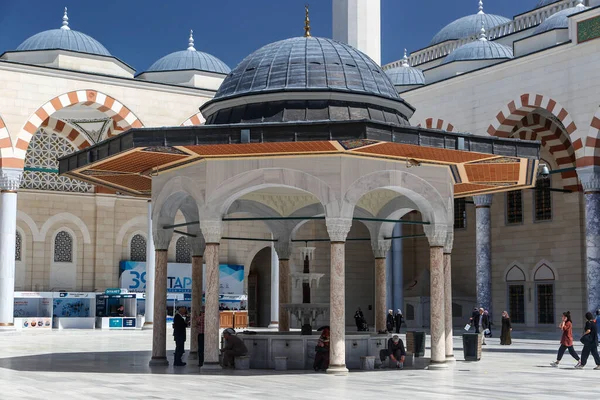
{"x": 114, "y": 365}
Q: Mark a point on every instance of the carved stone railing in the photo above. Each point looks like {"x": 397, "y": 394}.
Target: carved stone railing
{"x": 520, "y": 23}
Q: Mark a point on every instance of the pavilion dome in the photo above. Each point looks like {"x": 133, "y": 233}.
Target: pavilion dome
{"x": 481, "y": 49}
{"x": 190, "y": 59}
{"x": 560, "y": 20}
{"x": 64, "y": 39}
{"x": 405, "y": 75}
{"x": 307, "y": 64}
{"x": 468, "y": 26}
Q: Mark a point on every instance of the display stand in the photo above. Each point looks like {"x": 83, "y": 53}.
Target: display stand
{"x": 74, "y": 310}
{"x": 108, "y": 316}
{"x": 33, "y": 310}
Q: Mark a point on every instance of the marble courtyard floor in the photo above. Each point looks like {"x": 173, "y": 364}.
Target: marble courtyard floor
{"x": 114, "y": 365}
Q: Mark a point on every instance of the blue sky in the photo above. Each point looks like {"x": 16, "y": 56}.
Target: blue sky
{"x": 141, "y": 31}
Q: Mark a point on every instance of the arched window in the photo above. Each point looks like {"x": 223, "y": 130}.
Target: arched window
{"x": 515, "y": 281}
{"x": 63, "y": 247}
{"x": 18, "y": 246}
{"x": 543, "y": 197}
{"x": 544, "y": 286}
{"x": 41, "y": 164}
{"x": 137, "y": 248}
{"x": 182, "y": 251}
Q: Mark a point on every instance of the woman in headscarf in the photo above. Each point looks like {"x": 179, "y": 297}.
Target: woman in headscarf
{"x": 398, "y": 319}
{"x": 389, "y": 322}
{"x": 322, "y": 352}
{"x": 505, "y": 338}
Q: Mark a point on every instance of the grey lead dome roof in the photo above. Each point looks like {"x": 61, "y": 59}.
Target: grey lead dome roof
{"x": 543, "y": 3}
{"x": 307, "y": 63}
{"x": 481, "y": 49}
{"x": 467, "y": 26}
{"x": 63, "y": 39}
{"x": 188, "y": 60}
{"x": 560, "y": 20}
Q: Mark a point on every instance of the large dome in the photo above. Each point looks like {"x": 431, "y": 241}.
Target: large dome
{"x": 542, "y": 3}
{"x": 405, "y": 75}
{"x": 468, "y": 26}
{"x": 190, "y": 59}
{"x": 481, "y": 49}
{"x": 64, "y": 39}
{"x": 305, "y": 64}
{"x": 560, "y": 20}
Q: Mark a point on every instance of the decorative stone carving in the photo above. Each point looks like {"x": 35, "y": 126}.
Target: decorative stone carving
{"x": 484, "y": 200}
{"x": 212, "y": 231}
{"x": 589, "y": 178}
{"x": 436, "y": 234}
{"x": 338, "y": 228}
{"x": 308, "y": 252}
{"x": 449, "y": 240}
{"x": 311, "y": 278}
{"x": 197, "y": 244}
{"x": 283, "y": 247}
{"x": 381, "y": 248}
{"x": 10, "y": 178}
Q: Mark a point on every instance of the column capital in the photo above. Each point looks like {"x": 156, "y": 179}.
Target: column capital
{"x": 283, "y": 247}
{"x": 589, "y": 178}
{"x": 338, "y": 228}
{"x": 449, "y": 241}
{"x": 381, "y": 248}
{"x": 211, "y": 230}
{"x": 483, "y": 200}
{"x": 197, "y": 244}
{"x": 437, "y": 234}
{"x": 10, "y": 179}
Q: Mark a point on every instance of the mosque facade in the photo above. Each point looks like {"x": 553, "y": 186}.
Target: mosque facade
{"x": 532, "y": 252}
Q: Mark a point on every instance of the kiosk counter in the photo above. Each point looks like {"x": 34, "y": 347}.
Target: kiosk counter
{"x": 118, "y": 311}
{"x": 74, "y": 310}
{"x": 33, "y": 310}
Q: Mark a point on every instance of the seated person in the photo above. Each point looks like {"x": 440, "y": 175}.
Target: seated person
{"x": 121, "y": 310}
{"x": 395, "y": 350}
{"x": 322, "y": 352}
{"x": 234, "y": 347}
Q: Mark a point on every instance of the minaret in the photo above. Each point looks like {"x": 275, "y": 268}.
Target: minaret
{"x": 358, "y": 23}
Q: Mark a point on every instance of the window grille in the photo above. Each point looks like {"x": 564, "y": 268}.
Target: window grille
{"x": 63, "y": 247}
{"x": 137, "y": 251}
{"x": 18, "y": 247}
{"x": 460, "y": 214}
{"x": 514, "y": 207}
{"x": 183, "y": 252}
{"x": 543, "y": 200}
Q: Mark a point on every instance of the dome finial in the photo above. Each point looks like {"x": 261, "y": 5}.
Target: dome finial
{"x": 191, "y": 41}
{"x": 480, "y": 7}
{"x": 306, "y": 22}
{"x": 405, "y": 60}
{"x": 580, "y": 4}
{"x": 482, "y": 35}
{"x": 65, "y": 23}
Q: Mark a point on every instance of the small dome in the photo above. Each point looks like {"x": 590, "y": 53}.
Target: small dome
{"x": 481, "y": 49}
{"x": 468, "y": 26}
{"x": 190, "y": 59}
{"x": 64, "y": 39}
{"x": 309, "y": 64}
{"x": 405, "y": 75}
{"x": 560, "y": 19}
{"x": 542, "y": 3}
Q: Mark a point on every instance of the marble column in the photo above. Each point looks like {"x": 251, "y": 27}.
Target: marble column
{"x": 212, "y": 234}
{"x": 9, "y": 184}
{"x": 197, "y": 267}
{"x": 590, "y": 180}
{"x": 150, "y": 262}
{"x": 438, "y": 317}
{"x": 284, "y": 249}
{"x": 159, "y": 327}
{"x": 397, "y": 270}
{"x": 483, "y": 252}
{"x": 381, "y": 250}
{"x": 448, "y": 306}
{"x": 274, "y": 289}
{"x": 338, "y": 229}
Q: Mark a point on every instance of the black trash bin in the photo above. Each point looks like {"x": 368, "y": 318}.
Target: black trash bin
{"x": 415, "y": 343}
{"x": 472, "y": 346}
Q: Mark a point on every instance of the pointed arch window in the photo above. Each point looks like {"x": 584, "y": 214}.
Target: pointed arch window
{"x": 515, "y": 282}
{"x": 63, "y": 247}
{"x": 137, "y": 248}
{"x": 544, "y": 286}
{"x": 183, "y": 252}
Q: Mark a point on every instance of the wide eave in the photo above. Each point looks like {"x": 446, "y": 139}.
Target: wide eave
{"x": 479, "y": 164}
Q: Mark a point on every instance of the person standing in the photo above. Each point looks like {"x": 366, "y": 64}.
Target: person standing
{"x": 590, "y": 342}
{"x": 389, "y": 322}
{"x": 566, "y": 340}
{"x": 398, "y": 317}
{"x": 321, "y": 362}
{"x": 179, "y": 334}
{"x": 598, "y": 323}
{"x": 200, "y": 330}
{"x": 358, "y": 319}
{"x": 482, "y": 322}
{"x": 505, "y": 338}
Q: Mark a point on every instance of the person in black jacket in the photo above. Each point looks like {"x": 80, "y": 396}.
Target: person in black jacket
{"x": 482, "y": 322}
{"x": 395, "y": 350}
{"x": 179, "y": 333}
{"x": 389, "y": 321}
{"x": 590, "y": 342}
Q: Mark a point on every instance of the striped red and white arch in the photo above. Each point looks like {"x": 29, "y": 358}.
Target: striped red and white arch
{"x": 437, "y": 123}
